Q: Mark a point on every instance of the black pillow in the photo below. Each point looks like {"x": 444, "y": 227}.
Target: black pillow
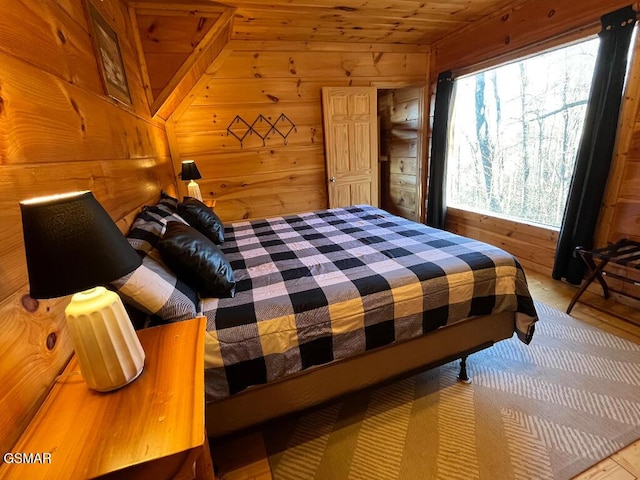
{"x": 197, "y": 261}
{"x": 202, "y": 218}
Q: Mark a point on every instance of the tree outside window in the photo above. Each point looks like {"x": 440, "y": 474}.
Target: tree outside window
{"x": 514, "y": 135}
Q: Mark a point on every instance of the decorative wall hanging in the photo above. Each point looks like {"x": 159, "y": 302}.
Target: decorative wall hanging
{"x": 109, "y": 56}
{"x": 262, "y": 127}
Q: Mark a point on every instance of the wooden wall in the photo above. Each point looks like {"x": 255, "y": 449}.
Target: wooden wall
{"x": 514, "y": 32}
{"x": 253, "y": 180}
{"x": 400, "y": 112}
{"x": 59, "y": 132}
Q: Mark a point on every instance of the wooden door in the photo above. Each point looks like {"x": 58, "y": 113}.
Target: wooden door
{"x": 351, "y": 145}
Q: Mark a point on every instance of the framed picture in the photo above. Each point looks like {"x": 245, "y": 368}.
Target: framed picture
{"x": 108, "y": 55}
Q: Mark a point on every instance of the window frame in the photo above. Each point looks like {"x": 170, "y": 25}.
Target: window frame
{"x": 541, "y": 48}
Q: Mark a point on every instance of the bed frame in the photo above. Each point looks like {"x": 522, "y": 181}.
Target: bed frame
{"x": 326, "y": 382}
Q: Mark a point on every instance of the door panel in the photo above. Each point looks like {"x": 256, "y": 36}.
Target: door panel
{"x": 351, "y": 144}
{"x": 362, "y": 158}
{"x": 340, "y": 147}
{"x": 342, "y": 195}
{"x": 361, "y": 193}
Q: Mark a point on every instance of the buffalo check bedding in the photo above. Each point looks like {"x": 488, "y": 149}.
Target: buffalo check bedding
{"x": 321, "y": 286}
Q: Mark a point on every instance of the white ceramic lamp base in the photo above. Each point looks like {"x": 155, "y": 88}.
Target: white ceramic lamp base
{"x": 194, "y": 190}
{"x": 108, "y": 349}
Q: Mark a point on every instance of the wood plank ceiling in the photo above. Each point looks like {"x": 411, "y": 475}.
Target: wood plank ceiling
{"x": 384, "y": 21}
{"x": 167, "y": 41}
{"x": 177, "y": 40}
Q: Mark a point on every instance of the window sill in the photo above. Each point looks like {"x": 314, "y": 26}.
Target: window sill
{"x": 467, "y": 212}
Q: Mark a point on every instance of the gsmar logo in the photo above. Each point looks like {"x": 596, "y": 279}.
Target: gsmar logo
{"x": 22, "y": 457}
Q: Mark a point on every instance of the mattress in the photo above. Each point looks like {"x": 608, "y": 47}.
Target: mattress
{"x": 321, "y": 286}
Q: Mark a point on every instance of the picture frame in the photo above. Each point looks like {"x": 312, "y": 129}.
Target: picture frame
{"x": 108, "y": 56}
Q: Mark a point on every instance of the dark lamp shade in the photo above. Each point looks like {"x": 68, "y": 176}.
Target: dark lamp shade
{"x": 72, "y": 245}
{"x": 190, "y": 171}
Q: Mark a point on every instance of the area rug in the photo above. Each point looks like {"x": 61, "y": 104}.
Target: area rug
{"x": 548, "y": 410}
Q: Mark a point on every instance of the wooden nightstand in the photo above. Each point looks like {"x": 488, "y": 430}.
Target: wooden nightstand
{"x": 151, "y": 428}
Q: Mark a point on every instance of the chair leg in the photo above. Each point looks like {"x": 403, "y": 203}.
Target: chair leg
{"x": 598, "y": 270}
{"x": 595, "y": 273}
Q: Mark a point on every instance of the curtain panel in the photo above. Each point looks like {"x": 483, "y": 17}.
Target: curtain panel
{"x": 436, "y": 201}
{"x": 596, "y": 145}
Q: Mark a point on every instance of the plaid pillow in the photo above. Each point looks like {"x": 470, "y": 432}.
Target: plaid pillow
{"x": 148, "y": 227}
{"x": 168, "y": 201}
{"x": 162, "y": 215}
{"x": 154, "y": 289}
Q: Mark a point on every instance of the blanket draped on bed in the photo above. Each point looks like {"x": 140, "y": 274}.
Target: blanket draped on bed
{"x": 321, "y": 286}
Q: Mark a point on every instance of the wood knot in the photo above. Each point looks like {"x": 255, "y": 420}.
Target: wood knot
{"x": 551, "y": 13}
{"x": 29, "y": 303}
{"x": 505, "y": 17}
{"x": 345, "y": 9}
{"x": 61, "y": 36}
{"x": 507, "y": 40}
{"x": 52, "y": 338}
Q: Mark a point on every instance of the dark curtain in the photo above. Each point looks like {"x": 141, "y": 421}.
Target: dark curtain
{"x": 436, "y": 208}
{"x": 596, "y": 146}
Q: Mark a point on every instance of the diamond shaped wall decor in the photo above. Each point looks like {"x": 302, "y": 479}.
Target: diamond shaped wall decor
{"x": 262, "y": 127}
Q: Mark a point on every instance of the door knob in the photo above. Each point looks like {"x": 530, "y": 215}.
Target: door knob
{"x": 332, "y": 179}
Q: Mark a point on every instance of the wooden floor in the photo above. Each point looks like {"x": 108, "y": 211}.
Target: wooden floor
{"x": 244, "y": 458}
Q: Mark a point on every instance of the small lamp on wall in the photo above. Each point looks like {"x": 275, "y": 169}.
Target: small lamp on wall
{"x": 191, "y": 173}
{"x": 73, "y": 247}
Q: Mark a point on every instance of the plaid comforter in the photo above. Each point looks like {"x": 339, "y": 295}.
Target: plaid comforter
{"x": 321, "y": 286}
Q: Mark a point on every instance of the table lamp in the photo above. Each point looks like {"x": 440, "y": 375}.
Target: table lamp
{"x": 73, "y": 247}
{"x": 190, "y": 172}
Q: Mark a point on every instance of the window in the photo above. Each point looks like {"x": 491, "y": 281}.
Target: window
{"x": 514, "y": 135}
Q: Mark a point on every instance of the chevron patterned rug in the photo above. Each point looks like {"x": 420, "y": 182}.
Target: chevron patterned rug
{"x": 545, "y": 411}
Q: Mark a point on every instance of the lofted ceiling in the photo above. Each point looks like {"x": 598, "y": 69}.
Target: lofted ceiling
{"x": 375, "y": 21}
{"x": 167, "y": 40}
{"x": 178, "y": 40}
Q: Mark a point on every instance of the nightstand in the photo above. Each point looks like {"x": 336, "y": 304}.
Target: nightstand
{"x": 151, "y": 428}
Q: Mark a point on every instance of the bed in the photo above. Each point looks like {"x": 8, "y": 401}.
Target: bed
{"x": 332, "y": 301}
{"x": 318, "y": 293}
